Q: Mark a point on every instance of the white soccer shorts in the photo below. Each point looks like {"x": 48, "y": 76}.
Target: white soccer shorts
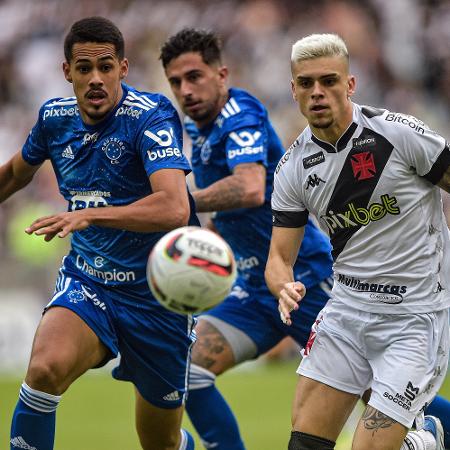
{"x": 403, "y": 358}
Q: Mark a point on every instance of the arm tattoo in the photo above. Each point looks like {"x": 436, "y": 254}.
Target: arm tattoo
{"x": 375, "y": 420}
{"x": 232, "y": 191}
{"x": 223, "y": 194}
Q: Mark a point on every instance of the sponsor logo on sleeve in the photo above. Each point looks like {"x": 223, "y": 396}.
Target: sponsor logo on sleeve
{"x": 246, "y": 142}
{"x": 165, "y": 139}
{"x": 407, "y": 120}
{"x": 313, "y": 160}
{"x": 284, "y": 159}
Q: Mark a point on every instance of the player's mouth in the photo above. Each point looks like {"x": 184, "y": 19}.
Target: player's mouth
{"x": 318, "y": 108}
{"x": 192, "y": 106}
{"x": 96, "y": 97}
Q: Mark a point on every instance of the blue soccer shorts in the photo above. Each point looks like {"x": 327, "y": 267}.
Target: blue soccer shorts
{"x": 253, "y": 312}
{"x": 154, "y": 343}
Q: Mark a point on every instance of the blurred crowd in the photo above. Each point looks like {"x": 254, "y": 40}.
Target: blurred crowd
{"x": 400, "y": 54}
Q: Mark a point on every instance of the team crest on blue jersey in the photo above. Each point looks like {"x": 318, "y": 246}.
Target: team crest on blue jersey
{"x": 205, "y": 152}
{"x": 76, "y": 296}
{"x": 113, "y": 148}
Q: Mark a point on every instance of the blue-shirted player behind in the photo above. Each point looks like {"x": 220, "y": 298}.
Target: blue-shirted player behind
{"x": 234, "y": 155}
{"x": 117, "y": 155}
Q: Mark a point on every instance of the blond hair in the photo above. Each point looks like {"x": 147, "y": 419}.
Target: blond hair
{"x": 317, "y": 46}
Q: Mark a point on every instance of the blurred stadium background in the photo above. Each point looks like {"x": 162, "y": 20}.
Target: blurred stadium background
{"x": 405, "y": 68}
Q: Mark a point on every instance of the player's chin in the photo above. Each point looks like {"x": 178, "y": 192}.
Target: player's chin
{"x": 321, "y": 123}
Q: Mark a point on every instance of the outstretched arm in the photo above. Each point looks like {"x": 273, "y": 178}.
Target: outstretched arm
{"x": 245, "y": 188}
{"x": 163, "y": 210}
{"x": 284, "y": 247}
{"x": 15, "y": 175}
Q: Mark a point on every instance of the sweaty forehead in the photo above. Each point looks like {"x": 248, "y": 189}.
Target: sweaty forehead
{"x": 92, "y": 50}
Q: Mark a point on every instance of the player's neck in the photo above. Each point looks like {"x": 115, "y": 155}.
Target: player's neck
{"x": 339, "y": 126}
{"x": 222, "y": 100}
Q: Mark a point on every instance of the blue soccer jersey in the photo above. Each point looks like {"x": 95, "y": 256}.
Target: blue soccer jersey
{"x": 242, "y": 133}
{"x": 108, "y": 164}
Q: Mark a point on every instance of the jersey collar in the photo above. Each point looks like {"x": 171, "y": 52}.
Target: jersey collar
{"x": 340, "y": 144}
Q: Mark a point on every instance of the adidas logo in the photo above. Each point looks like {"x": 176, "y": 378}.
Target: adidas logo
{"x": 68, "y": 153}
{"x": 19, "y": 442}
{"x": 172, "y": 396}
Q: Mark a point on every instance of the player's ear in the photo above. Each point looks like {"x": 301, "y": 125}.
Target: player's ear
{"x": 123, "y": 68}
{"x": 66, "y": 70}
{"x": 351, "y": 86}
{"x": 294, "y": 93}
{"x": 223, "y": 74}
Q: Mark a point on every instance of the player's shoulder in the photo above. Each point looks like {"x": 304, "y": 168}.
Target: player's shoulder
{"x": 242, "y": 109}
{"x": 390, "y": 123}
{"x": 296, "y": 152}
{"x": 58, "y": 108}
{"x": 141, "y": 105}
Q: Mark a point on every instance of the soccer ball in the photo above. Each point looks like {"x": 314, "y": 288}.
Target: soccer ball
{"x": 191, "y": 270}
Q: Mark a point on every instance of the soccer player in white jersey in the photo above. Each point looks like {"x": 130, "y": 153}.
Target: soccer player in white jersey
{"x": 372, "y": 178}
{"x": 108, "y": 147}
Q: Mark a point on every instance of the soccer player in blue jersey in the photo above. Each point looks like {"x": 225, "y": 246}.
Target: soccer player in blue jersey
{"x": 117, "y": 156}
{"x": 234, "y": 155}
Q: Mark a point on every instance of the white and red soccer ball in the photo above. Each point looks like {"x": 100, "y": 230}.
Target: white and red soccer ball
{"x": 191, "y": 270}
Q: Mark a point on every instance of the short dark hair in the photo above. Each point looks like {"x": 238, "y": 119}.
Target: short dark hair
{"x": 94, "y": 29}
{"x": 187, "y": 40}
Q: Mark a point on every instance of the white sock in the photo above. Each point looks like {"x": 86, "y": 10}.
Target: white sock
{"x": 419, "y": 440}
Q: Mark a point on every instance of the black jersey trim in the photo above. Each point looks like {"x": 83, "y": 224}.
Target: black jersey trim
{"x": 439, "y": 167}
{"x": 340, "y": 144}
{"x": 351, "y": 190}
{"x": 289, "y": 219}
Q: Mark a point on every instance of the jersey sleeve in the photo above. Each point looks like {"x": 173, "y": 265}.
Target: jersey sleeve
{"x": 288, "y": 210}
{"x": 161, "y": 140}
{"x": 246, "y": 139}
{"x": 427, "y": 152}
{"x": 35, "y": 150}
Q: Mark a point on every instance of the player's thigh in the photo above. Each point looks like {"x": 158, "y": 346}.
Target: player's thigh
{"x": 409, "y": 357}
{"x": 377, "y": 431}
{"x": 319, "y": 409}
{"x": 158, "y": 428}
{"x": 64, "y": 347}
{"x": 211, "y": 350}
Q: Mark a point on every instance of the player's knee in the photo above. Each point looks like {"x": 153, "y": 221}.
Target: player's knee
{"x": 305, "y": 441}
{"x": 46, "y": 376}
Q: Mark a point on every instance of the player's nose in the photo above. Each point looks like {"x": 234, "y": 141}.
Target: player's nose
{"x": 96, "y": 78}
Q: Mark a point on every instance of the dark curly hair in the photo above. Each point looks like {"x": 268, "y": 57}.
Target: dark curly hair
{"x": 187, "y": 40}
{"x": 94, "y": 29}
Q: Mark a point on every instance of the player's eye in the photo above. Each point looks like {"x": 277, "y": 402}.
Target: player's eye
{"x": 83, "y": 69}
{"x": 106, "y": 67}
{"x": 193, "y": 77}
{"x": 305, "y": 83}
{"x": 329, "y": 81}
{"x": 175, "y": 83}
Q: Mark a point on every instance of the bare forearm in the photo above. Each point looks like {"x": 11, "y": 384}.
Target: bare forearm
{"x": 10, "y": 182}
{"x": 156, "y": 212}
{"x": 229, "y": 193}
{"x": 277, "y": 274}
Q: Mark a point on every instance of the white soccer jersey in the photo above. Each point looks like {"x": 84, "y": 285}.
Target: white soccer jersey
{"x": 374, "y": 194}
